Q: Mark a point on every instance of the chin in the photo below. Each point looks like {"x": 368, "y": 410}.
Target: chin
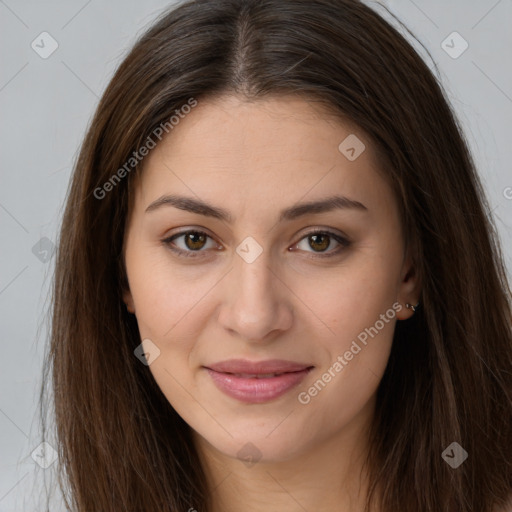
{"x": 257, "y": 444}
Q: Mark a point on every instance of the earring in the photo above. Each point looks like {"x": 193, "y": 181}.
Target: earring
{"x": 410, "y": 306}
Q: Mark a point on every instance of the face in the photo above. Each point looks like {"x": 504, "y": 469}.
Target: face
{"x": 266, "y": 269}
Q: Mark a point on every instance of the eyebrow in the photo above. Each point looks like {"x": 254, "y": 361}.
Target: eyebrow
{"x": 202, "y": 208}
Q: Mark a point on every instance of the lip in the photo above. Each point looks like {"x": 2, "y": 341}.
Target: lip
{"x": 251, "y": 382}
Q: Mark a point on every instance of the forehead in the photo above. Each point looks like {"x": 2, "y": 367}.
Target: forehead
{"x": 263, "y": 153}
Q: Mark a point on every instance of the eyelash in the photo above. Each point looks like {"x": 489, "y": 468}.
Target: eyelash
{"x": 342, "y": 241}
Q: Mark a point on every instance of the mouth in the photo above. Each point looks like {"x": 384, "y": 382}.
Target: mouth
{"x": 256, "y": 375}
{"x": 257, "y": 382}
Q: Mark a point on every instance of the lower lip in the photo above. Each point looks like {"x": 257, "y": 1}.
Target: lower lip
{"x": 257, "y": 391}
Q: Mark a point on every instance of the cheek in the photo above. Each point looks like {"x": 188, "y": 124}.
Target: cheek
{"x": 351, "y": 296}
{"x": 356, "y": 307}
{"x": 170, "y": 311}
{"x": 357, "y": 356}
{"x": 172, "y": 308}
{"x": 165, "y": 297}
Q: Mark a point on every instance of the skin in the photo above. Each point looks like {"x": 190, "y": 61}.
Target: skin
{"x": 254, "y": 159}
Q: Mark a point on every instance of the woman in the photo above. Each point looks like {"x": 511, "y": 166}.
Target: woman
{"x": 278, "y": 285}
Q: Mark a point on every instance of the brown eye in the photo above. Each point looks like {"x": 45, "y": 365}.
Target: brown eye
{"x": 190, "y": 243}
{"x": 319, "y": 242}
{"x": 195, "y": 240}
{"x": 322, "y": 243}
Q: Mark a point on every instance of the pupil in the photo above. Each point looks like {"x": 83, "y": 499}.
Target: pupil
{"x": 319, "y": 242}
{"x": 195, "y": 241}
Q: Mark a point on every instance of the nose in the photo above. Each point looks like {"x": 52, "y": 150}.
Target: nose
{"x": 256, "y": 305}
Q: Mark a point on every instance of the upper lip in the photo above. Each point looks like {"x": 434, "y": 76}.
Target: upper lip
{"x": 257, "y": 367}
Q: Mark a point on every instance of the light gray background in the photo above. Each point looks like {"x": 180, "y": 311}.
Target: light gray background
{"x": 46, "y": 104}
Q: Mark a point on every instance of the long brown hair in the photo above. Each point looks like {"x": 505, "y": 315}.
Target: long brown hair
{"x": 449, "y": 377}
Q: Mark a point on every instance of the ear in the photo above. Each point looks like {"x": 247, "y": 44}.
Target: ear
{"x": 128, "y": 300}
{"x": 409, "y": 289}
